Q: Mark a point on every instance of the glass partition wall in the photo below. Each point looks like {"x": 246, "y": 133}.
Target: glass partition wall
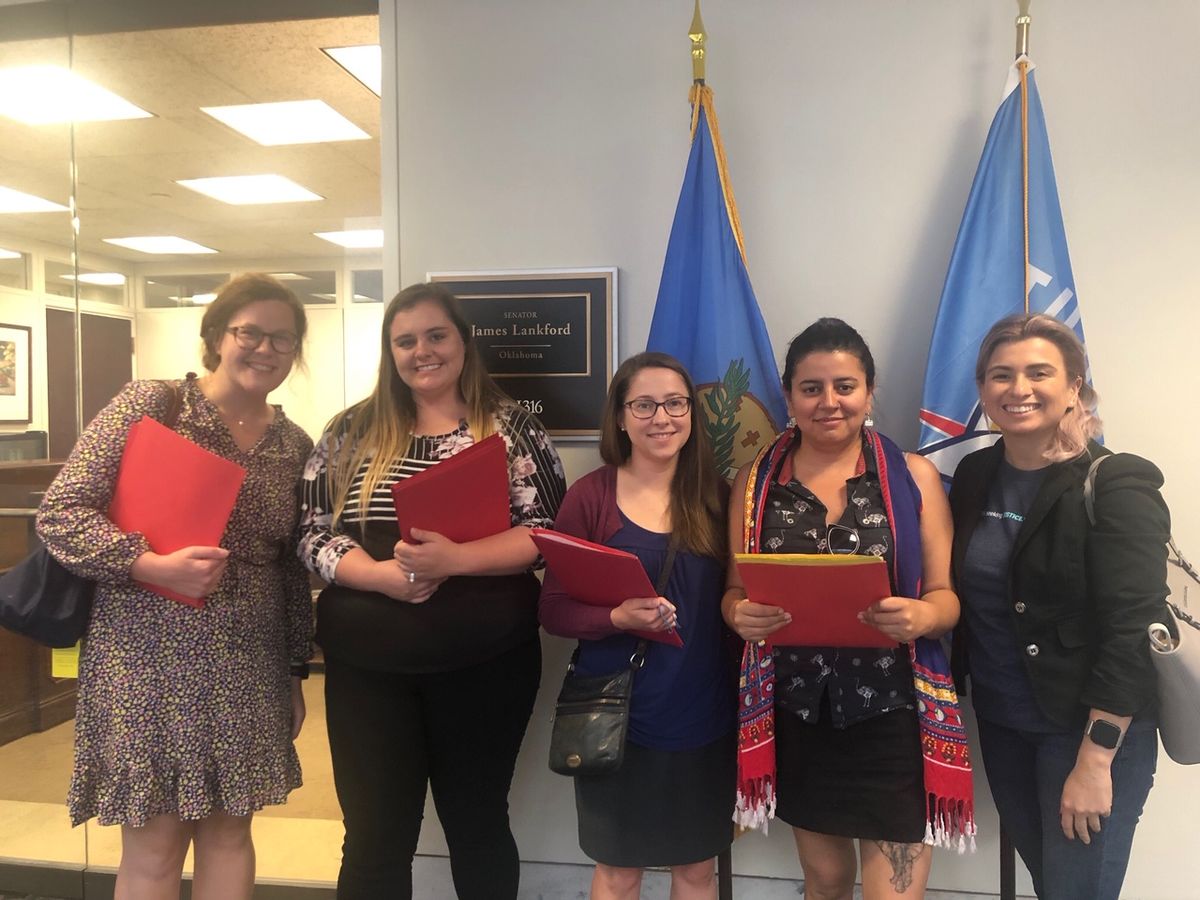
{"x": 37, "y": 284}
{"x": 194, "y": 156}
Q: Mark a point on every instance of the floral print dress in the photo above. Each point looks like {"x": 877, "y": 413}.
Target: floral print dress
{"x": 184, "y": 711}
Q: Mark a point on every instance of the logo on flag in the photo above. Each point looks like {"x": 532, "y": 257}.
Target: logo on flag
{"x": 706, "y": 315}
{"x": 986, "y": 277}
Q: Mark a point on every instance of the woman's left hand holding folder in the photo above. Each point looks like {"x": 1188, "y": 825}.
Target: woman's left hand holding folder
{"x": 901, "y": 618}
{"x": 436, "y": 557}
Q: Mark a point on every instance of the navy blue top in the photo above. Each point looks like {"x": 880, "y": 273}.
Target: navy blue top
{"x": 683, "y": 698}
{"x": 1000, "y": 687}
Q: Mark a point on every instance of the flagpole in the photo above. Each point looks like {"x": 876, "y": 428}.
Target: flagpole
{"x": 697, "y": 35}
{"x": 1023, "y": 22}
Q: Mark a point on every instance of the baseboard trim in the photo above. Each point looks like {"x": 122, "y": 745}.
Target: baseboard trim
{"x": 42, "y": 880}
{"x": 67, "y": 883}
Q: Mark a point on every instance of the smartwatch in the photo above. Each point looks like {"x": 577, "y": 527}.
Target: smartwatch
{"x": 1104, "y": 733}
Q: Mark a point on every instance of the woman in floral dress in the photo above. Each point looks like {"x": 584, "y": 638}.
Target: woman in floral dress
{"x": 186, "y": 717}
{"x": 431, "y": 649}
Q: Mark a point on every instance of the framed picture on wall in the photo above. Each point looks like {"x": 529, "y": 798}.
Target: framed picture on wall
{"x": 16, "y": 375}
{"x": 548, "y": 337}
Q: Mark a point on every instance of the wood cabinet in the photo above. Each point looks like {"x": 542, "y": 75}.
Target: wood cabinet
{"x": 30, "y": 700}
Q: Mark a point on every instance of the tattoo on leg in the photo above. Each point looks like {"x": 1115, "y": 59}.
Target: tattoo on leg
{"x": 902, "y": 857}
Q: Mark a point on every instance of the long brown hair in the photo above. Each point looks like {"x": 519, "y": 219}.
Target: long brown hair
{"x": 698, "y": 493}
{"x": 1081, "y": 423}
{"x": 377, "y": 431}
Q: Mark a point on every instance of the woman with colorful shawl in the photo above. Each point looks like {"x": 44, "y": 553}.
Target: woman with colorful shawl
{"x": 849, "y": 743}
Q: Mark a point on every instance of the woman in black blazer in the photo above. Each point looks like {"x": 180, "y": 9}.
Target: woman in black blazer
{"x": 1053, "y": 635}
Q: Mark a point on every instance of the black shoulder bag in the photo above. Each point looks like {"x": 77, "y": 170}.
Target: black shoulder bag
{"x": 591, "y": 716}
{"x": 42, "y": 600}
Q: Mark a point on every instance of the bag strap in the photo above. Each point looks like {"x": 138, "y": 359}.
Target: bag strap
{"x": 664, "y": 574}
{"x": 1089, "y": 489}
{"x": 176, "y": 402}
{"x": 638, "y": 658}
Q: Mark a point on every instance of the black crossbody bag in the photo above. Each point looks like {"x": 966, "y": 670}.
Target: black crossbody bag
{"x": 42, "y": 600}
{"x": 591, "y": 716}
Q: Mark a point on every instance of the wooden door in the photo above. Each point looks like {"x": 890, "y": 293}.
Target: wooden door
{"x": 107, "y": 367}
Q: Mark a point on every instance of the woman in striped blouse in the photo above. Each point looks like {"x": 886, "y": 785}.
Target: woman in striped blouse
{"x": 419, "y": 637}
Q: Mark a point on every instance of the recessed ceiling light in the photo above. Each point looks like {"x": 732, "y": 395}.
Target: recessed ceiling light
{"x": 160, "y": 244}
{"x": 43, "y": 95}
{"x": 243, "y": 190}
{"x": 107, "y": 279}
{"x": 9, "y": 254}
{"x": 290, "y": 122}
{"x": 289, "y": 276}
{"x": 360, "y": 239}
{"x": 12, "y": 201}
{"x": 364, "y": 62}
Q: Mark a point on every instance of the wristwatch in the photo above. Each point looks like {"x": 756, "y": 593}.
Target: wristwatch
{"x": 1104, "y": 733}
{"x": 300, "y": 670}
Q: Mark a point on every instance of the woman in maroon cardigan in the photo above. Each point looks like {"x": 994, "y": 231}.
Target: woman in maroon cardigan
{"x": 671, "y": 802}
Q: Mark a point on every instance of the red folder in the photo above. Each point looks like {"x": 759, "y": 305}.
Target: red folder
{"x": 599, "y": 575}
{"x": 174, "y": 492}
{"x": 464, "y": 497}
{"x": 823, "y": 592}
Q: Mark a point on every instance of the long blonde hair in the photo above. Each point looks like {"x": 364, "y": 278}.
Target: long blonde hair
{"x": 1081, "y": 423}
{"x": 377, "y": 431}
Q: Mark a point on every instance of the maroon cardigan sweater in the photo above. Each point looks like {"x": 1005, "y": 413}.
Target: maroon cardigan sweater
{"x": 589, "y": 511}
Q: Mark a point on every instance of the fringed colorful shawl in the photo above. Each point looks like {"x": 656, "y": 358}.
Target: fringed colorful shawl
{"x": 950, "y": 816}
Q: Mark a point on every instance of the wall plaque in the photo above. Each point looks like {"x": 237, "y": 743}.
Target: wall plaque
{"x": 548, "y": 337}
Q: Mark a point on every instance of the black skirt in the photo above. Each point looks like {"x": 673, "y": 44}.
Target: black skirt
{"x": 661, "y": 808}
{"x": 864, "y": 781}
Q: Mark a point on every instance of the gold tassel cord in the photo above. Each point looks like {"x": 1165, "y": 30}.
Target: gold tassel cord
{"x": 1024, "y": 67}
{"x": 701, "y": 95}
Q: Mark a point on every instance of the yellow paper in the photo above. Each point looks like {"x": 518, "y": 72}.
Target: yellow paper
{"x": 64, "y": 663}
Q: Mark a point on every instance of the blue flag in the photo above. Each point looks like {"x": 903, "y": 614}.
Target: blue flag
{"x": 706, "y": 315}
{"x": 986, "y": 278}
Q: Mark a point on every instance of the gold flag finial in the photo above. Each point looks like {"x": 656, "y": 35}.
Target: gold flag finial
{"x": 696, "y": 35}
{"x": 1023, "y": 21}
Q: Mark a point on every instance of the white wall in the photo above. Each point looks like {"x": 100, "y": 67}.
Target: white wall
{"x": 22, "y": 308}
{"x": 547, "y": 134}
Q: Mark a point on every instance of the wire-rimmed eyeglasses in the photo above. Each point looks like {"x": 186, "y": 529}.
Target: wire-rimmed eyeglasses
{"x": 250, "y": 337}
{"x": 645, "y": 408}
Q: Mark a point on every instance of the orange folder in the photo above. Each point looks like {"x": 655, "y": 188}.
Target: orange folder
{"x": 464, "y": 497}
{"x": 599, "y": 575}
{"x": 174, "y": 492}
{"x": 823, "y": 592}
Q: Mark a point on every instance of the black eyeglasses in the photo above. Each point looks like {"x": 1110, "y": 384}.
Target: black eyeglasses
{"x": 841, "y": 539}
{"x": 250, "y": 337}
{"x": 645, "y": 408}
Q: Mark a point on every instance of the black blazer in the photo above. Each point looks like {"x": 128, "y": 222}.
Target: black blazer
{"x": 1080, "y": 597}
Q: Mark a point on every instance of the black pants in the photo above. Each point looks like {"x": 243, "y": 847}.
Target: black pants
{"x": 459, "y": 732}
